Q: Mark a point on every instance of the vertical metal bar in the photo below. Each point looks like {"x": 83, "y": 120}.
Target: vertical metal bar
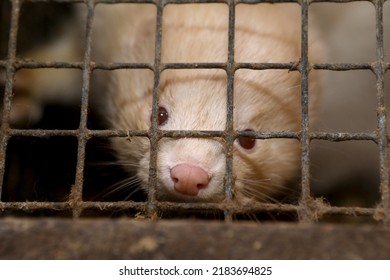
{"x": 9, "y": 83}
{"x": 379, "y": 70}
{"x": 305, "y": 213}
{"x": 229, "y": 138}
{"x": 77, "y": 189}
{"x": 154, "y": 132}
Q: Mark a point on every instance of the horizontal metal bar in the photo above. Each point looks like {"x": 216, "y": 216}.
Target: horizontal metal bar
{"x": 29, "y": 64}
{"x": 165, "y": 2}
{"x": 329, "y": 136}
{"x": 42, "y": 133}
{"x": 196, "y": 1}
{"x": 118, "y": 66}
{"x": 118, "y": 133}
{"x": 342, "y": 66}
{"x": 68, "y": 205}
{"x": 344, "y": 136}
{"x": 253, "y": 207}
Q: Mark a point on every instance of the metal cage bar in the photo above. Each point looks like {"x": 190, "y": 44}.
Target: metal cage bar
{"x": 379, "y": 71}
{"x": 77, "y": 189}
{"x": 10, "y": 72}
{"x": 154, "y": 137}
{"x": 229, "y": 138}
{"x": 304, "y": 214}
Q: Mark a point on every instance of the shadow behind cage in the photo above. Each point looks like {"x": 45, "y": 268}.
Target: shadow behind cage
{"x": 48, "y": 169}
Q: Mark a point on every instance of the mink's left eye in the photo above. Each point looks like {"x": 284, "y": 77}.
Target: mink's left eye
{"x": 247, "y": 142}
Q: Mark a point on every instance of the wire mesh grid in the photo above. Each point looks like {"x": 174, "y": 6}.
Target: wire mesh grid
{"x": 308, "y": 209}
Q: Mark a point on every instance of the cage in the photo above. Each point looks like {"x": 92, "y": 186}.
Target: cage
{"x": 51, "y": 188}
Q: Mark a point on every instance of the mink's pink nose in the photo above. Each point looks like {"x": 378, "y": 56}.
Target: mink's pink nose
{"x": 189, "y": 179}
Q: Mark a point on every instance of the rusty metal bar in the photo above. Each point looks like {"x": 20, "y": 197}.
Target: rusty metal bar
{"x": 29, "y": 64}
{"x": 77, "y": 189}
{"x": 305, "y": 215}
{"x": 154, "y": 131}
{"x": 10, "y": 73}
{"x": 195, "y": 1}
{"x": 382, "y": 115}
{"x": 342, "y": 66}
{"x": 229, "y": 137}
{"x": 329, "y": 136}
{"x": 322, "y": 209}
{"x": 346, "y": 136}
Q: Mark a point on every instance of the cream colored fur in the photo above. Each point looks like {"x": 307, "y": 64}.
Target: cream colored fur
{"x": 196, "y": 99}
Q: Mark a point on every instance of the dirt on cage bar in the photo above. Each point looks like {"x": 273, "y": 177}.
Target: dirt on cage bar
{"x": 63, "y": 154}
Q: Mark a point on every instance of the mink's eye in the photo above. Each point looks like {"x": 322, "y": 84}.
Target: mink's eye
{"x": 247, "y": 142}
{"x": 162, "y": 116}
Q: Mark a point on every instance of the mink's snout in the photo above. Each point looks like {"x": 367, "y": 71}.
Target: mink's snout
{"x": 189, "y": 179}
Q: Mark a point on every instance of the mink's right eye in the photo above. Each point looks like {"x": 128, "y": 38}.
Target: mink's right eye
{"x": 247, "y": 142}
{"x": 162, "y": 116}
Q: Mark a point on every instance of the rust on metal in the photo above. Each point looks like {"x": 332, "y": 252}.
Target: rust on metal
{"x": 308, "y": 209}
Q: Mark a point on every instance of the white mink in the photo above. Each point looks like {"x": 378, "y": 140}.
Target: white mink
{"x": 192, "y": 169}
